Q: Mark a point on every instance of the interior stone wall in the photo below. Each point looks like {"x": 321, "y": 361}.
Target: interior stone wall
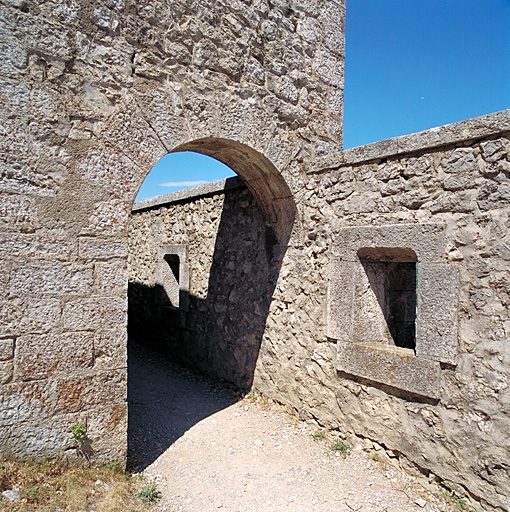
{"x": 92, "y": 94}
{"x": 218, "y": 328}
{"x": 441, "y": 201}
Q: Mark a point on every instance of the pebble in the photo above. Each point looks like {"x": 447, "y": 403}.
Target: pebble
{"x": 420, "y": 502}
{"x": 11, "y": 495}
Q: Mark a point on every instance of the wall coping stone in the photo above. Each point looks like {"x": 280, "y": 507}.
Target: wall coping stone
{"x": 188, "y": 194}
{"x": 474, "y": 128}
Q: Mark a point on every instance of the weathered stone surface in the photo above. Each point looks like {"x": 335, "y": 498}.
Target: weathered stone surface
{"x": 340, "y": 308}
{"x": 110, "y": 348}
{"x": 401, "y": 206}
{"x": 75, "y": 394}
{"x": 50, "y": 279}
{"x": 110, "y": 276}
{"x": 6, "y": 368}
{"x": 40, "y": 356}
{"x": 94, "y": 313}
{"x": 368, "y": 321}
{"x": 392, "y": 366}
{"x": 6, "y": 349}
{"x": 32, "y": 316}
{"x": 426, "y": 240}
{"x": 101, "y": 249}
{"x": 437, "y": 321}
{"x": 14, "y": 245}
{"x": 214, "y": 237}
{"x": 17, "y": 213}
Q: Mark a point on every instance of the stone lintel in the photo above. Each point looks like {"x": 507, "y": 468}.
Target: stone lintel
{"x": 391, "y": 366}
{"x": 426, "y": 240}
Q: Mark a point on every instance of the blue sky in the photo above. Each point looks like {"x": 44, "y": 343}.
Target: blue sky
{"x": 410, "y": 65}
{"x": 415, "y": 64}
{"x": 177, "y": 171}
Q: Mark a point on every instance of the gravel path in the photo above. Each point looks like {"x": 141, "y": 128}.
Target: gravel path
{"x": 207, "y": 451}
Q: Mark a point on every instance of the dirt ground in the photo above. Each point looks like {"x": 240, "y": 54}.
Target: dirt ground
{"x": 208, "y": 451}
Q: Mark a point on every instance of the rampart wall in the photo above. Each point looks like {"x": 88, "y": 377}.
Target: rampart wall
{"x": 306, "y": 304}
{"x": 322, "y": 347}
{"x": 92, "y": 95}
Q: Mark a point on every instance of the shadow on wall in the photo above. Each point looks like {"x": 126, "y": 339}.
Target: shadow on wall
{"x": 220, "y": 334}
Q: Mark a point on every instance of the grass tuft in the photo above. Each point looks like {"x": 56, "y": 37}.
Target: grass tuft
{"x": 341, "y": 447}
{"x": 319, "y": 435}
{"x": 458, "y": 502}
{"x": 149, "y": 494}
{"x": 54, "y": 484}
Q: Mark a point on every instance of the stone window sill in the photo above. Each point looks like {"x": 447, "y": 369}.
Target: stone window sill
{"x": 393, "y": 366}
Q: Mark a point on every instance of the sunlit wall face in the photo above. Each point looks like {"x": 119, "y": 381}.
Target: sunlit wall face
{"x": 180, "y": 170}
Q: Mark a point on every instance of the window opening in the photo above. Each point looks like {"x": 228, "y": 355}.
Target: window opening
{"x": 173, "y": 263}
{"x": 172, "y": 277}
{"x": 392, "y": 275}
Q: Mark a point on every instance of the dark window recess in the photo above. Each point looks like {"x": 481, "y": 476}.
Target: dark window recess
{"x": 392, "y": 275}
{"x": 174, "y": 264}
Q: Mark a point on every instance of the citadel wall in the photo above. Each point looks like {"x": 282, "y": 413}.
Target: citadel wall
{"x": 323, "y": 346}
{"x": 92, "y": 94}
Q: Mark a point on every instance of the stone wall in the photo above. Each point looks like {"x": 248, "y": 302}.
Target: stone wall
{"x": 218, "y": 322}
{"x": 92, "y": 94}
{"x": 462, "y": 187}
{"x": 437, "y": 200}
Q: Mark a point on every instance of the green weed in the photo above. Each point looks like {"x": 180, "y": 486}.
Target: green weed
{"x": 319, "y": 435}
{"x": 341, "y": 447}
{"x": 456, "y": 501}
{"x": 149, "y": 494}
{"x": 79, "y": 432}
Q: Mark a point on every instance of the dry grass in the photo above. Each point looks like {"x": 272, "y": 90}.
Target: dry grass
{"x": 51, "y": 485}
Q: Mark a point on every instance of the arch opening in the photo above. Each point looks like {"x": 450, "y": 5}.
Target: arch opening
{"x": 203, "y": 267}
{"x": 269, "y": 188}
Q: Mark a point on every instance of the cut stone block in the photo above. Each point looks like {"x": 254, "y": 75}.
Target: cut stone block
{"x": 368, "y": 322}
{"x": 436, "y": 326}
{"x": 40, "y": 355}
{"x": 6, "y": 349}
{"x": 101, "y": 248}
{"x": 426, "y": 240}
{"x": 6, "y": 368}
{"x": 51, "y": 279}
{"x": 392, "y": 366}
{"x": 339, "y": 312}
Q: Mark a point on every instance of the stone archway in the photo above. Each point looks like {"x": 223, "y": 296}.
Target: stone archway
{"x": 92, "y": 97}
{"x": 211, "y": 252}
{"x": 269, "y": 188}
{"x": 203, "y": 266}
